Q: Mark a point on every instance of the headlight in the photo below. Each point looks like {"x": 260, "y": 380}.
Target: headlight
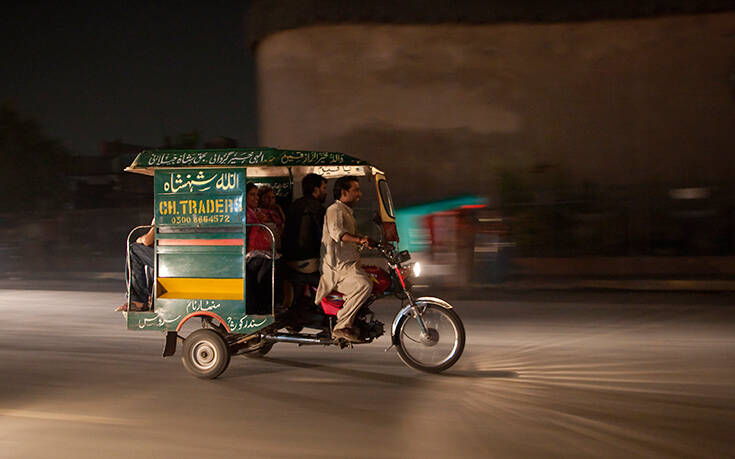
{"x": 416, "y": 269}
{"x": 411, "y": 271}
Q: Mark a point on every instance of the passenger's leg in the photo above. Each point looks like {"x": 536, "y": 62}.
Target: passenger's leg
{"x": 251, "y": 285}
{"x": 258, "y": 285}
{"x": 265, "y": 284}
{"x": 278, "y": 284}
{"x": 140, "y": 285}
{"x": 357, "y": 286}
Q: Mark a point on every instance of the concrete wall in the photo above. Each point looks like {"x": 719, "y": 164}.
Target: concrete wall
{"x": 443, "y": 108}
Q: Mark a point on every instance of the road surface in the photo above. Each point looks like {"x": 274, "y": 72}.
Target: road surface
{"x": 543, "y": 375}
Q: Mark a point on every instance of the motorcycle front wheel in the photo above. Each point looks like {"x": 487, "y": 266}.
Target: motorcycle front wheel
{"x": 437, "y": 349}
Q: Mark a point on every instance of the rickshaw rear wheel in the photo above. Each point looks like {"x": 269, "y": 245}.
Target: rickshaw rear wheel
{"x": 205, "y": 354}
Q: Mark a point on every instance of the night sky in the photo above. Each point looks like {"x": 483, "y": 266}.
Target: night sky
{"x": 129, "y": 71}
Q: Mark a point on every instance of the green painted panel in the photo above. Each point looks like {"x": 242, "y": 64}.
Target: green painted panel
{"x": 212, "y": 265}
{"x": 281, "y": 185}
{"x": 159, "y": 320}
{"x": 237, "y": 250}
{"x": 241, "y": 157}
{"x": 207, "y": 181}
{"x": 199, "y": 211}
{"x": 170, "y": 312}
{"x": 199, "y": 197}
{"x": 201, "y": 235}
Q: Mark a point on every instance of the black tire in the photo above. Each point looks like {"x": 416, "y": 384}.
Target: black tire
{"x": 405, "y": 343}
{"x": 260, "y": 351}
{"x": 205, "y": 354}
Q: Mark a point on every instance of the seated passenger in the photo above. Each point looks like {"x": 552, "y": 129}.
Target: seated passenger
{"x": 259, "y": 257}
{"x": 139, "y": 272}
{"x": 272, "y": 212}
{"x": 304, "y": 220}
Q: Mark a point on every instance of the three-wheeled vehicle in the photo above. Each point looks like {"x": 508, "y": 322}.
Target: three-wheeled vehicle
{"x": 200, "y": 271}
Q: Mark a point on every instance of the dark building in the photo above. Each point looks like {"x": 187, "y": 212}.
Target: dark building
{"x": 450, "y": 96}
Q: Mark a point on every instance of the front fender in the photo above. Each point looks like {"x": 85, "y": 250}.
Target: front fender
{"x": 407, "y": 309}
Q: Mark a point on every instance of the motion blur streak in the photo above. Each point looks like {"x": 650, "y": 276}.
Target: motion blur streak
{"x": 646, "y": 388}
{"x": 571, "y": 374}
{"x": 64, "y": 417}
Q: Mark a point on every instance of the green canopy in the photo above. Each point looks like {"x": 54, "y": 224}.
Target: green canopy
{"x": 282, "y": 160}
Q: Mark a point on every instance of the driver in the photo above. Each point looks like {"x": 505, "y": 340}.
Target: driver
{"x": 340, "y": 259}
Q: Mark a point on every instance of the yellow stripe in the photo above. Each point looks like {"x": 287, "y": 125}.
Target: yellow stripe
{"x": 191, "y": 288}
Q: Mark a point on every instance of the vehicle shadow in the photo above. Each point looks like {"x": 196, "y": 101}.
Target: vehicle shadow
{"x": 350, "y": 372}
{"x": 309, "y": 394}
{"x": 482, "y": 374}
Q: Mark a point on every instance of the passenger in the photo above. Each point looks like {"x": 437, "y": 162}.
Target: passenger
{"x": 272, "y": 212}
{"x": 340, "y": 265}
{"x": 259, "y": 256}
{"x": 304, "y": 221}
{"x": 139, "y": 272}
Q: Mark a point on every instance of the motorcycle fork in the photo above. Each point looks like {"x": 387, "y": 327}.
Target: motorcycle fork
{"x": 415, "y": 312}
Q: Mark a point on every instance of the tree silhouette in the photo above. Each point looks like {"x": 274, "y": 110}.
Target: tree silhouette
{"x": 184, "y": 141}
{"x": 32, "y": 165}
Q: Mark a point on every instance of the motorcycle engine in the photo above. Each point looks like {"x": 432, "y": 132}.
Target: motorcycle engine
{"x": 375, "y": 329}
{"x": 369, "y": 327}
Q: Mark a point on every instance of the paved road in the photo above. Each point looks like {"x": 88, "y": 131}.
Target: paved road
{"x": 543, "y": 375}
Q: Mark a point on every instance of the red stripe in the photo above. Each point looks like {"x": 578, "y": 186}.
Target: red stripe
{"x": 203, "y": 313}
{"x": 400, "y": 278}
{"x": 200, "y": 242}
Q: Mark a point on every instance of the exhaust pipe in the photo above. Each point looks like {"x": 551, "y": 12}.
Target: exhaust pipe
{"x": 296, "y": 338}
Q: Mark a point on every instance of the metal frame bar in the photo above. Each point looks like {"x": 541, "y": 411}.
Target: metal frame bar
{"x": 273, "y": 266}
{"x": 127, "y": 263}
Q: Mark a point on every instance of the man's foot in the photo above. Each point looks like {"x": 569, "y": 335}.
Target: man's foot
{"x": 346, "y": 333}
{"x": 134, "y": 306}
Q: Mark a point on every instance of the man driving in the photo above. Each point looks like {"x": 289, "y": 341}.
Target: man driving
{"x": 340, "y": 259}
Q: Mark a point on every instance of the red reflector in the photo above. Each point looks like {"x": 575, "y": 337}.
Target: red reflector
{"x": 390, "y": 231}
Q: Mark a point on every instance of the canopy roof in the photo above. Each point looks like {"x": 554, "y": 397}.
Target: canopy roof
{"x": 261, "y": 162}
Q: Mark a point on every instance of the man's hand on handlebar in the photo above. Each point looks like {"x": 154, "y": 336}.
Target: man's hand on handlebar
{"x": 367, "y": 242}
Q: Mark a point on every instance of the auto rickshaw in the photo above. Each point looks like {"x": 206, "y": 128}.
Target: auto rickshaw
{"x": 200, "y": 261}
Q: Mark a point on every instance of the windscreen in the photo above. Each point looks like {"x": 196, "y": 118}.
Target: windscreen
{"x": 387, "y": 198}
{"x": 367, "y": 212}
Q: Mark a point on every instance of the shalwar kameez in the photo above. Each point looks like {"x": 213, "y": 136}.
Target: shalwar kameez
{"x": 340, "y": 264}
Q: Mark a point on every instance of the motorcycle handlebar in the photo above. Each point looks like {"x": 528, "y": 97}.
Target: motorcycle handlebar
{"x": 384, "y": 248}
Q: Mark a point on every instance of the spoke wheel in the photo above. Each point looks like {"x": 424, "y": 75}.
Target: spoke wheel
{"x": 437, "y": 349}
{"x": 205, "y": 354}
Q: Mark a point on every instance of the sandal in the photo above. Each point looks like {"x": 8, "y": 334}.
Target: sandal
{"x": 134, "y": 308}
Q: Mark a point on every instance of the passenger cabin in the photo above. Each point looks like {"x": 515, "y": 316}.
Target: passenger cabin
{"x": 201, "y": 226}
